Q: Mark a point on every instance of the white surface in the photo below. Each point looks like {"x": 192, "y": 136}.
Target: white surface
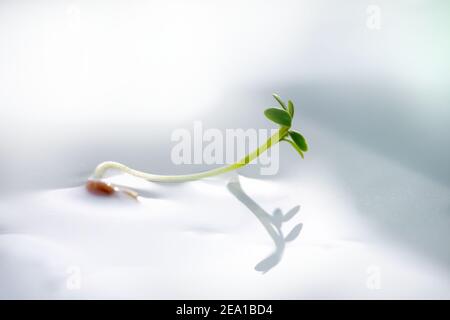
{"x": 87, "y": 81}
{"x": 196, "y": 240}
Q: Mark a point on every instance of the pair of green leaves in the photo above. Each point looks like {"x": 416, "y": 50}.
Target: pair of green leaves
{"x": 298, "y": 142}
{"x": 284, "y": 117}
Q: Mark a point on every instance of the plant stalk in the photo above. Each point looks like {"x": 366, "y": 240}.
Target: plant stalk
{"x": 274, "y": 139}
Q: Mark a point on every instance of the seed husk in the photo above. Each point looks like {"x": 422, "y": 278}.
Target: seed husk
{"x": 100, "y": 188}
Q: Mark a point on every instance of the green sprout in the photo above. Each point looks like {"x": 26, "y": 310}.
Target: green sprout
{"x": 281, "y": 116}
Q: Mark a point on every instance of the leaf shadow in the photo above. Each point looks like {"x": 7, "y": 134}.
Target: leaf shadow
{"x": 271, "y": 222}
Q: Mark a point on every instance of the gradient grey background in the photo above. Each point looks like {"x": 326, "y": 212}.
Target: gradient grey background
{"x": 86, "y": 81}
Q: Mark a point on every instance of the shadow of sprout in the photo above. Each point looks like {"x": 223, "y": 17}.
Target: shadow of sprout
{"x": 272, "y": 224}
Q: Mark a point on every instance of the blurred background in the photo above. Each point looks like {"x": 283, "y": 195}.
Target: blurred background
{"x": 86, "y": 81}
{"x": 78, "y": 76}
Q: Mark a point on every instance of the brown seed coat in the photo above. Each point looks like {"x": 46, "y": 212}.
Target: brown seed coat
{"x": 99, "y": 188}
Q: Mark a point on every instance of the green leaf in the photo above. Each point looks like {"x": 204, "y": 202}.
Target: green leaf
{"x": 278, "y": 116}
{"x": 291, "y": 108}
{"x": 281, "y": 102}
{"x": 299, "y": 140}
{"x": 300, "y": 152}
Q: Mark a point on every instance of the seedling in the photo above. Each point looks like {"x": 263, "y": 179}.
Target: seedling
{"x": 282, "y": 116}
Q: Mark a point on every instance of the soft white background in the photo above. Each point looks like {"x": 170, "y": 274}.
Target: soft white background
{"x": 86, "y": 81}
